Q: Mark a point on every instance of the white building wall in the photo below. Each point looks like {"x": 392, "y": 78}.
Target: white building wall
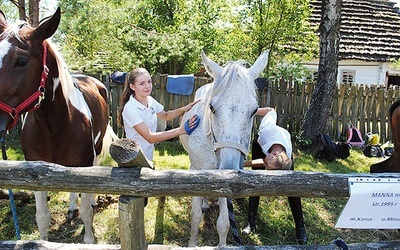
{"x": 365, "y": 72}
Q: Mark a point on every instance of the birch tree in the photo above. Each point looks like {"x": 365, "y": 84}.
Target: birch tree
{"x": 317, "y": 113}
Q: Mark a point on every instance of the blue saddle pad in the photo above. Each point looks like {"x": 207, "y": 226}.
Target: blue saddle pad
{"x": 118, "y": 76}
{"x": 180, "y": 84}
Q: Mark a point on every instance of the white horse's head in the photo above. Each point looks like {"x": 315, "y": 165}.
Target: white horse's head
{"x": 230, "y": 109}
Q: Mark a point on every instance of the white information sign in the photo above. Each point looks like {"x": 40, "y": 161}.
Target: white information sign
{"x": 374, "y": 203}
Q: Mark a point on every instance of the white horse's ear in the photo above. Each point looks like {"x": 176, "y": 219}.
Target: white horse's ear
{"x": 259, "y": 65}
{"x": 212, "y": 68}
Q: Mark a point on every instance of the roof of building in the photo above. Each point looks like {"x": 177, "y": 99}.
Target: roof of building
{"x": 369, "y": 31}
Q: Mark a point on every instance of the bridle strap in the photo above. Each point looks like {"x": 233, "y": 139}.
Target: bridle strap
{"x": 229, "y": 144}
{"x": 37, "y": 95}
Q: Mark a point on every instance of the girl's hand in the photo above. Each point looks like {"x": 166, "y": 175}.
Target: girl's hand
{"x": 190, "y": 125}
{"x": 190, "y": 105}
{"x": 264, "y": 110}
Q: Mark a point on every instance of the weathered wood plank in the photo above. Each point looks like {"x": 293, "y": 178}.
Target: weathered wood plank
{"x": 128, "y": 153}
{"x": 145, "y": 182}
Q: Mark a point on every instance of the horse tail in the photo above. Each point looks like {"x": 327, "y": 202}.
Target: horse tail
{"x": 108, "y": 138}
{"x": 232, "y": 222}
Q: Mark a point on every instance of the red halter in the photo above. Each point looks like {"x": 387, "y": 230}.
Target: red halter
{"x": 39, "y": 94}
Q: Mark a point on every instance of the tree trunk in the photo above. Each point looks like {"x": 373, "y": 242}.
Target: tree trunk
{"x": 317, "y": 113}
{"x": 21, "y": 10}
{"x": 34, "y": 12}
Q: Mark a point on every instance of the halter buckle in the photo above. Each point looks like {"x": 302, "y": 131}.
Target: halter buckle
{"x": 40, "y": 99}
{"x": 12, "y": 113}
{"x": 45, "y": 70}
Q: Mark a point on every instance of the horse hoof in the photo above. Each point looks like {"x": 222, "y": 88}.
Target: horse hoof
{"x": 88, "y": 239}
{"x": 95, "y": 208}
{"x": 205, "y": 206}
{"x": 71, "y": 215}
{"x": 248, "y": 229}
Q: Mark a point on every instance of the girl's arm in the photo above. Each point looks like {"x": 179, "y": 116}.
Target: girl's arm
{"x": 172, "y": 114}
{"x": 151, "y": 137}
{"x": 254, "y": 163}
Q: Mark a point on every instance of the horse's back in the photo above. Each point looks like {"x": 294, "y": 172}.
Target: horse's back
{"x": 391, "y": 164}
{"x": 96, "y": 97}
{"x": 91, "y": 85}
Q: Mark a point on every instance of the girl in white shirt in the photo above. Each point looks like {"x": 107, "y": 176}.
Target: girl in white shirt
{"x": 138, "y": 113}
{"x": 275, "y": 142}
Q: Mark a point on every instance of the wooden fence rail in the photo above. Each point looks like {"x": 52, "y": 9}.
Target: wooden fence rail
{"x": 140, "y": 180}
{"x": 146, "y": 182}
{"x": 365, "y": 106}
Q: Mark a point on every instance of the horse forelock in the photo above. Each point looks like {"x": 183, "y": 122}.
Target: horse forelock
{"x": 234, "y": 73}
{"x": 13, "y": 29}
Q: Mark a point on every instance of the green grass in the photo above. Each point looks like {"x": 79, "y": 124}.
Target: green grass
{"x": 167, "y": 219}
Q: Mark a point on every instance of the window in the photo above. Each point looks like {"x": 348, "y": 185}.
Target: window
{"x": 393, "y": 80}
{"x": 348, "y": 76}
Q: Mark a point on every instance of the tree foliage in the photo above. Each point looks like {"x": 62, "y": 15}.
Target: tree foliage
{"x": 28, "y": 10}
{"x": 166, "y": 36}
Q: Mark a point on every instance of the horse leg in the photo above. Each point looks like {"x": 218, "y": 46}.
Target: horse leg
{"x": 205, "y": 206}
{"x": 196, "y": 216}
{"x": 223, "y": 221}
{"x": 42, "y": 213}
{"x": 86, "y": 214}
{"x": 73, "y": 207}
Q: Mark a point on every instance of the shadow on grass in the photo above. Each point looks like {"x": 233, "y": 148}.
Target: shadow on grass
{"x": 171, "y": 148}
{"x": 25, "y": 215}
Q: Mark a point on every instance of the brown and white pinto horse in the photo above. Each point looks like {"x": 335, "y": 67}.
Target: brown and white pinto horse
{"x": 68, "y": 119}
{"x": 392, "y": 164}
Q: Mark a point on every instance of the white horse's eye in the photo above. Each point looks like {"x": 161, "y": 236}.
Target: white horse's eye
{"x": 212, "y": 108}
{"x": 254, "y": 112}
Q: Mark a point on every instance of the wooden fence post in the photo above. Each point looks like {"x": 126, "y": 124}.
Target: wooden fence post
{"x": 127, "y": 153}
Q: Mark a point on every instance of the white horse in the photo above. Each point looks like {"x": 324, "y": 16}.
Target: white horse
{"x": 222, "y": 140}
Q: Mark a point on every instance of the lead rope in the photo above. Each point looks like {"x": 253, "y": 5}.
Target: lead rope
{"x": 10, "y": 192}
{"x": 233, "y": 222}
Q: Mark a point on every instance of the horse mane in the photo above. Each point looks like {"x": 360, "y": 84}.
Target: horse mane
{"x": 65, "y": 78}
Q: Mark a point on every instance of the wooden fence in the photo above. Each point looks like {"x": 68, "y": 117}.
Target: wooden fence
{"x": 365, "y": 106}
{"x": 134, "y": 179}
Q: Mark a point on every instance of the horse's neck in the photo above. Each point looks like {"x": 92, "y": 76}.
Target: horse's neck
{"x": 54, "y": 101}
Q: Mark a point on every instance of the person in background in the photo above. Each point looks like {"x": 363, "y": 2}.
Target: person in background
{"x": 274, "y": 147}
{"x": 138, "y": 113}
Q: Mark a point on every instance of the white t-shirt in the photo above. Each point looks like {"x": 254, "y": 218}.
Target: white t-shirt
{"x": 270, "y": 134}
{"x": 134, "y": 113}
